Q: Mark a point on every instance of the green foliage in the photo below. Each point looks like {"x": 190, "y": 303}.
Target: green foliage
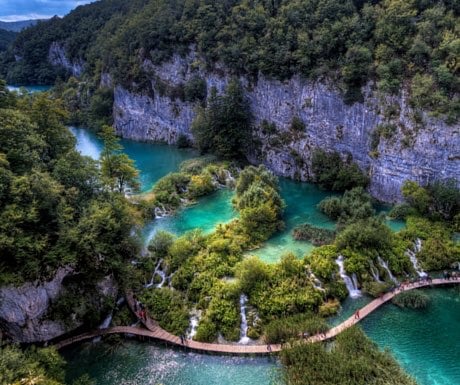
{"x": 224, "y": 126}
{"x": 168, "y": 307}
{"x": 392, "y": 42}
{"x": 334, "y": 174}
{"x": 440, "y": 200}
{"x": 160, "y": 244}
{"x": 366, "y": 235}
{"x": 414, "y": 299}
{"x": 376, "y": 288}
{"x": 206, "y": 331}
{"x": 195, "y": 89}
{"x": 316, "y": 235}
{"x": 293, "y": 327}
{"x": 32, "y": 366}
{"x": 53, "y": 208}
{"x": 352, "y": 360}
{"x": 6, "y": 38}
{"x": 354, "y": 205}
{"x": 118, "y": 170}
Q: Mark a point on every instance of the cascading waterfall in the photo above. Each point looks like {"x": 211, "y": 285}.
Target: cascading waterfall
{"x": 387, "y": 269}
{"x": 375, "y": 272}
{"x": 194, "y": 321}
{"x": 160, "y": 211}
{"x": 350, "y": 283}
{"x": 159, "y": 272}
{"x": 244, "y": 339}
{"x": 412, "y": 254}
{"x": 316, "y": 282}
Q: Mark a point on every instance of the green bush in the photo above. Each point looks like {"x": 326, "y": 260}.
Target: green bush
{"x": 352, "y": 360}
{"x": 414, "y": 299}
{"x": 316, "y": 235}
{"x": 206, "y": 331}
{"x": 293, "y": 327}
{"x": 168, "y": 307}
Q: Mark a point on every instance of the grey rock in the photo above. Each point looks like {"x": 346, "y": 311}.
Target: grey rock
{"x": 57, "y": 57}
{"x": 417, "y": 151}
{"x": 23, "y": 310}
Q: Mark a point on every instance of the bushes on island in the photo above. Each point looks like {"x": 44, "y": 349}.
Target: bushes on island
{"x": 316, "y": 235}
{"x": 414, "y": 299}
{"x": 353, "y": 359}
{"x": 293, "y": 327}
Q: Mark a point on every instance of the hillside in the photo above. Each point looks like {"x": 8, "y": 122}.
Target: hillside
{"x": 376, "y": 81}
{"x": 6, "y": 38}
{"x": 17, "y": 26}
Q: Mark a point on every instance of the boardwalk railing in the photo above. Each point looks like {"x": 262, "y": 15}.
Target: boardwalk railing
{"x": 153, "y": 330}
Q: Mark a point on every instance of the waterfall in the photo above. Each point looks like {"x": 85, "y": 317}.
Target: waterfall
{"x": 104, "y": 325}
{"x": 160, "y": 211}
{"x": 412, "y": 254}
{"x": 107, "y": 321}
{"x": 387, "y": 269}
{"x": 229, "y": 179}
{"x": 244, "y": 339}
{"x": 350, "y": 283}
{"x": 159, "y": 272}
{"x": 194, "y": 321}
{"x": 316, "y": 282}
{"x": 374, "y": 272}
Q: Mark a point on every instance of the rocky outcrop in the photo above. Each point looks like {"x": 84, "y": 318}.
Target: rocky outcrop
{"x": 411, "y": 146}
{"x": 57, "y": 57}
{"x": 23, "y": 310}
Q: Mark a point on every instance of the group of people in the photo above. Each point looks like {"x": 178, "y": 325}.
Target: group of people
{"x": 455, "y": 275}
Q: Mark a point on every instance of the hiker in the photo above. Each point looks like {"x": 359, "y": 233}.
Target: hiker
{"x": 269, "y": 347}
{"x": 182, "y": 340}
{"x": 136, "y": 303}
{"x": 357, "y": 314}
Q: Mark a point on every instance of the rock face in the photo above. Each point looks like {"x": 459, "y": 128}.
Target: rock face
{"x": 57, "y": 57}
{"x": 23, "y": 310}
{"x": 412, "y": 146}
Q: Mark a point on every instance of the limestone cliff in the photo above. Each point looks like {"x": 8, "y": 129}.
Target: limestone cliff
{"x": 383, "y": 135}
{"x": 57, "y": 57}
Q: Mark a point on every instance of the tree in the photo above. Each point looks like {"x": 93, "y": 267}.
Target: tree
{"x": 118, "y": 170}
{"x": 416, "y": 196}
{"x": 224, "y": 126}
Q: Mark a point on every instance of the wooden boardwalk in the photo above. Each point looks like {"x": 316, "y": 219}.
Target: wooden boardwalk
{"x": 153, "y": 330}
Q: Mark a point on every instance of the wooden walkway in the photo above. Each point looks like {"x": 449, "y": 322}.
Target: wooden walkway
{"x": 153, "y": 330}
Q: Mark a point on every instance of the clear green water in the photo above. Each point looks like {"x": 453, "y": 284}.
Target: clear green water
{"x": 152, "y": 160}
{"x": 426, "y": 343}
{"x": 134, "y": 363}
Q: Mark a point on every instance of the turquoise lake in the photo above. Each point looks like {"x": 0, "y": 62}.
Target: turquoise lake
{"x": 30, "y": 89}
{"x": 425, "y": 343}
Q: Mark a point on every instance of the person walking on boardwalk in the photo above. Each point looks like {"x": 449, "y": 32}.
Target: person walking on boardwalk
{"x": 357, "y": 314}
{"x": 182, "y": 340}
{"x": 269, "y": 348}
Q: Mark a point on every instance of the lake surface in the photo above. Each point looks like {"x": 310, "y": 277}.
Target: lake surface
{"x": 135, "y": 363}
{"x": 424, "y": 342}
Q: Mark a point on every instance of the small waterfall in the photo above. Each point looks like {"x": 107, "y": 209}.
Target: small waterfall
{"x": 374, "y": 272}
{"x": 160, "y": 211}
{"x": 159, "y": 272}
{"x": 412, "y": 254}
{"x": 229, "y": 179}
{"x": 104, "y": 325}
{"x": 317, "y": 284}
{"x": 387, "y": 269}
{"x": 194, "y": 321}
{"x": 244, "y": 339}
{"x": 350, "y": 283}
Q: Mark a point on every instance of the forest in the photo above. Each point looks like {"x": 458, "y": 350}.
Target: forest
{"x": 393, "y": 44}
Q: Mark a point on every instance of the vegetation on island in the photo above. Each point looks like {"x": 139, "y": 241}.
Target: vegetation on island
{"x": 414, "y": 299}
{"x": 353, "y": 359}
{"x": 393, "y": 43}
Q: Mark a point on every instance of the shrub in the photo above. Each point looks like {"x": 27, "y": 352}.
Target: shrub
{"x": 195, "y": 89}
{"x": 316, "y": 235}
{"x": 376, "y": 288}
{"x": 160, "y": 244}
{"x": 168, "y": 307}
{"x": 414, "y": 299}
{"x": 282, "y": 330}
{"x": 200, "y": 185}
{"x": 297, "y": 124}
{"x": 329, "y": 308}
{"x": 206, "y": 331}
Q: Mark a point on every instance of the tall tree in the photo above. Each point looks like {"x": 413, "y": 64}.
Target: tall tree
{"x": 118, "y": 170}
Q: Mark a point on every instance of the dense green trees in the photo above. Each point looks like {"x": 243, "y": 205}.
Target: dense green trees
{"x": 393, "y": 42}
{"x": 224, "y": 126}
{"x": 56, "y": 208}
